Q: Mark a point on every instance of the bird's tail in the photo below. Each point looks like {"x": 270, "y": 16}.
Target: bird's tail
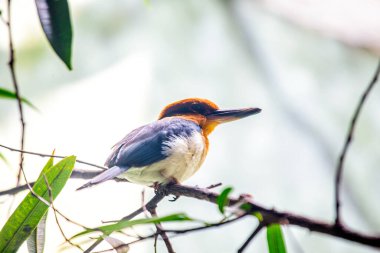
{"x": 106, "y": 175}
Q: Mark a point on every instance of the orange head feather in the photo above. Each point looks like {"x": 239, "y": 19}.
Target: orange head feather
{"x": 194, "y": 109}
{"x": 204, "y": 112}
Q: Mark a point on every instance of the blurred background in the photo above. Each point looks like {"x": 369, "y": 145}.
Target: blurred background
{"x": 305, "y": 63}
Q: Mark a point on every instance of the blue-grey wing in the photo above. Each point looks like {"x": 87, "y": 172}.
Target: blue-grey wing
{"x": 143, "y": 152}
{"x": 135, "y": 134}
{"x": 144, "y": 145}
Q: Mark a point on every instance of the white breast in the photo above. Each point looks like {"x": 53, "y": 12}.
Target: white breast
{"x": 185, "y": 156}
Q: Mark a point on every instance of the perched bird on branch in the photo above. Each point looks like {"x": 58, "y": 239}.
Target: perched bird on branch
{"x": 171, "y": 149}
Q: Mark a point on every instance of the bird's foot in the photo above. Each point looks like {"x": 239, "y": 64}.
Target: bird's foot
{"x": 173, "y": 181}
{"x": 162, "y": 189}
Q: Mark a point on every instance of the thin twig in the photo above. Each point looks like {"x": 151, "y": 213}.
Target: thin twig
{"x": 151, "y": 204}
{"x": 347, "y": 143}
{"x": 213, "y": 186}
{"x": 70, "y": 220}
{"x": 126, "y": 244}
{"x": 40, "y": 198}
{"x": 63, "y": 233}
{"x": 146, "y": 213}
{"x": 11, "y": 64}
{"x": 155, "y": 243}
{"x": 162, "y": 232}
{"x": 54, "y": 156}
{"x": 250, "y": 238}
{"x": 219, "y": 224}
{"x": 28, "y": 186}
{"x": 56, "y": 217}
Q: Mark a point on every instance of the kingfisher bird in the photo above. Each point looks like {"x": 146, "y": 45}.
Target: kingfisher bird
{"x": 171, "y": 149}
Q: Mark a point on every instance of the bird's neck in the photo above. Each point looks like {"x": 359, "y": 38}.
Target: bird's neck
{"x": 206, "y": 125}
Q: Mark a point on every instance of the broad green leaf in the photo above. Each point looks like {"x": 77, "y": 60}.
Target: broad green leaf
{"x": 222, "y": 199}
{"x": 55, "y": 21}
{"x": 31, "y": 210}
{"x": 108, "y": 229}
{"x": 36, "y": 241}
{"x": 4, "y": 93}
{"x": 276, "y": 242}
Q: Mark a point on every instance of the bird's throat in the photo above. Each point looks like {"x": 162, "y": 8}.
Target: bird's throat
{"x": 207, "y": 125}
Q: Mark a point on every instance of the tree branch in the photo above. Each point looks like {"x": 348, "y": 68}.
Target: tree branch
{"x": 269, "y": 215}
{"x": 347, "y": 143}
{"x": 273, "y": 216}
{"x": 11, "y": 64}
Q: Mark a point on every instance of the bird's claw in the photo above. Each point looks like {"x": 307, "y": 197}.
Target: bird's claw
{"x": 175, "y": 197}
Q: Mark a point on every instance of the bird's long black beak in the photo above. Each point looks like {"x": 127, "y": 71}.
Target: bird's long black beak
{"x": 222, "y": 116}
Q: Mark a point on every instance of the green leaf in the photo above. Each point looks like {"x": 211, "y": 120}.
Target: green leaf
{"x": 31, "y": 210}
{"x": 4, "y": 93}
{"x": 36, "y": 241}
{"x": 245, "y": 207}
{"x": 222, "y": 199}
{"x": 276, "y": 242}
{"x": 108, "y": 229}
{"x": 55, "y": 21}
{"x": 259, "y": 216}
